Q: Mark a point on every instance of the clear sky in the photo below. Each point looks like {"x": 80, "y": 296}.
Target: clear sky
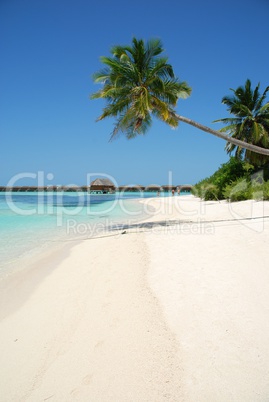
{"x": 50, "y": 49}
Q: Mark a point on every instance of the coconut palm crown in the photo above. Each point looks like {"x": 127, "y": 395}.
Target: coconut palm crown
{"x": 138, "y": 83}
{"x": 250, "y": 122}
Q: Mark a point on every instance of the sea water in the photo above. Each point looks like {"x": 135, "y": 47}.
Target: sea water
{"x": 33, "y": 222}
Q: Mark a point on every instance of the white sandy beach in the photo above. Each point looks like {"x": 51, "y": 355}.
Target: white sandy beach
{"x": 175, "y": 310}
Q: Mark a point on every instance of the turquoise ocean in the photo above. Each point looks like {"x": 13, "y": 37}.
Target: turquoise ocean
{"x": 33, "y": 222}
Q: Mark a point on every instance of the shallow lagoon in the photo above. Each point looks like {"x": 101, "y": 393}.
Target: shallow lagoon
{"x": 30, "y": 222}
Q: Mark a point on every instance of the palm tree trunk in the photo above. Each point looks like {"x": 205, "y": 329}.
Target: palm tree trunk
{"x": 242, "y": 144}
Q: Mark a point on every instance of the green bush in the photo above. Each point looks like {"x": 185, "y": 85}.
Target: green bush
{"x": 235, "y": 180}
{"x": 260, "y": 191}
{"x": 265, "y": 189}
{"x": 238, "y": 190}
{"x": 209, "y": 191}
{"x": 212, "y": 187}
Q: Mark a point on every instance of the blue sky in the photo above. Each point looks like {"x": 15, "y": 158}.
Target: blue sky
{"x": 50, "y": 49}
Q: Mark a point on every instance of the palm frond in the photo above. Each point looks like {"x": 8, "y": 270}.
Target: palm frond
{"x": 101, "y": 76}
{"x": 138, "y": 81}
{"x": 231, "y": 120}
{"x": 263, "y": 97}
{"x": 250, "y": 123}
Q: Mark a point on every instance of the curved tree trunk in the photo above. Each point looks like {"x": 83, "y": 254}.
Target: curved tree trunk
{"x": 242, "y": 144}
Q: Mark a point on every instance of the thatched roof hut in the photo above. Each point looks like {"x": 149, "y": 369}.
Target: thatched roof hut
{"x": 103, "y": 185}
{"x": 185, "y": 187}
{"x": 154, "y": 187}
{"x": 169, "y": 187}
{"x": 131, "y": 188}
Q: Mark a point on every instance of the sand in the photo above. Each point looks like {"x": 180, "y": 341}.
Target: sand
{"x": 176, "y": 309}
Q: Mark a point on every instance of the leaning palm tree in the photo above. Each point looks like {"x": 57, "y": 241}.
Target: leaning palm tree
{"x": 250, "y": 122}
{"x": 138, "y": 83}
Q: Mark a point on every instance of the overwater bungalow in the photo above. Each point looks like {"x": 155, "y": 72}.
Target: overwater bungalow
{"x": 132, "y": 188}
{"x": 102, "y": 186}
{"x": 184, "y": 188}
{"x": 168, "y": 188}
{"x": 153, "y": 187}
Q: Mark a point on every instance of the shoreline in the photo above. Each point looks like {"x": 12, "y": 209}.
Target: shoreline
{"x": 59, "y": 227}
{"x": 94, "y": 327}
{"x": 160, "y": 311}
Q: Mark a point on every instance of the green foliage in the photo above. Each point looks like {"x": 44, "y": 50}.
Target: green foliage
{"x": 212, "y": 187}
{"x": 245, "y": 189}
{"x": 138, "y": 83}
{"x": 238, "y": 190}
{"x": 235, "y": 180}
{"x": 265, "y": 190}
{"x": 250, "y": 122}
{"x": 260, "y": 188}
{"x": 210, "y": 192}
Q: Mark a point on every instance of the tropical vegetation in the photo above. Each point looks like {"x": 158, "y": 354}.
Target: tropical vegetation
{"x": 138, "y": 83}
{"x": 250, "y": 122}
{"x": 243, "y": 177}
{"x": 235, "y": 180}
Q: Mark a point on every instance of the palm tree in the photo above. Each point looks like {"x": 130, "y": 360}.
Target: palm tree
{"x": 138, "y": 83}
{"x": 250, "y": 122}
